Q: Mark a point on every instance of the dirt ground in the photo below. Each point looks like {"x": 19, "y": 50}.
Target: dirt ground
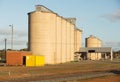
{"x": 61, "y": 70}
{"x": 115, "y": 78}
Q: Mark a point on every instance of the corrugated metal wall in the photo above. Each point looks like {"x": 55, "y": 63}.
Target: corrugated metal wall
{"x": 93, "y": 41}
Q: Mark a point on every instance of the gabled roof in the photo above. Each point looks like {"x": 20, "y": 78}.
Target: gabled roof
{"x": 42, "y": 9}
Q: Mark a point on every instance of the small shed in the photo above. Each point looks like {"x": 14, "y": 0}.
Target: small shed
{"x": 16, "y": 57}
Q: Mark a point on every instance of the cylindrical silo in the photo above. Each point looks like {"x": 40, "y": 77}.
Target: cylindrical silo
{"x": 68, "y": 41}
{"x": 93, "y": 41}
{"x": 42, "y": 33}
{"x": 72, "y": 22}
{"x": 72, "y": 41}
{"x": 59, "y": 40}
{"x": 78, "y": 39}
{"x": 64, "y": 40}
{"x": 99, "y": 55}
{"x": 53, "y": 38}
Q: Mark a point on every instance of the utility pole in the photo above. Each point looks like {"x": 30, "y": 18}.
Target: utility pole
{"x": 5, "y": 48}
{"x": 11, "y": 36}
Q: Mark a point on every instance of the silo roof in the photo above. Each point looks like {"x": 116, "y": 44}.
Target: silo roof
{"x": 79, "y": 29}
{"x": 92, "y": 36}
{"x": 45, "y": 9}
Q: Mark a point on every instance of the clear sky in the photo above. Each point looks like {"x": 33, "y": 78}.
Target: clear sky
{"x": 100, "y": 18}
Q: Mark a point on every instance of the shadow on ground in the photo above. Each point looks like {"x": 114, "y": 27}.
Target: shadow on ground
{"x": 115, "y": 71}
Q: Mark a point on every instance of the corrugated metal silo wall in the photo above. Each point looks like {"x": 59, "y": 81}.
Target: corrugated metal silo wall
{"x": 93, "y": 42}
{"x": 99, "y": 43}
{"x": 64, "y": 41}
{"x": 99, "y": 55}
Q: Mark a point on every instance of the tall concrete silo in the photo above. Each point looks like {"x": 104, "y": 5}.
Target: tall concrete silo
{"x": 52, "y": 36}
{"x": 64, "y": 40}
{"x": 78, "y": 39}
{"x": 42, "y": 33}
{"x": 71, "y": 42}
{"x": 68, "y": 41}
{"x": 59, "y": 39}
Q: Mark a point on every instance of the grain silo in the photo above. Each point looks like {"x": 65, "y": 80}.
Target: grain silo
{"x": 71, "y": 42}
{"x": 77, "y": 39}
{"x": 68, "y": 41}
{"x": 93, "y": 41}
{"x": 41, "y": 36}
{"x": 52, "y": 36}
{"x": 59, "y": 39}
{"x": 64, "y": 40}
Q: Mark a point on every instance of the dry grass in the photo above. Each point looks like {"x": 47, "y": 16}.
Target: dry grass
{"x": 7, "y": 72}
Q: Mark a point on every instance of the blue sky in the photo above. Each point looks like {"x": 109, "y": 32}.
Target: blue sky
{"x": 100, "y": 18}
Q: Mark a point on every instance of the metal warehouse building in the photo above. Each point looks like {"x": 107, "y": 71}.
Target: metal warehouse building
{"x": 53, "y": 36}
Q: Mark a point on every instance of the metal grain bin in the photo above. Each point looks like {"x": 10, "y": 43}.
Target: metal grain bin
{"x": 93, "y": 41}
